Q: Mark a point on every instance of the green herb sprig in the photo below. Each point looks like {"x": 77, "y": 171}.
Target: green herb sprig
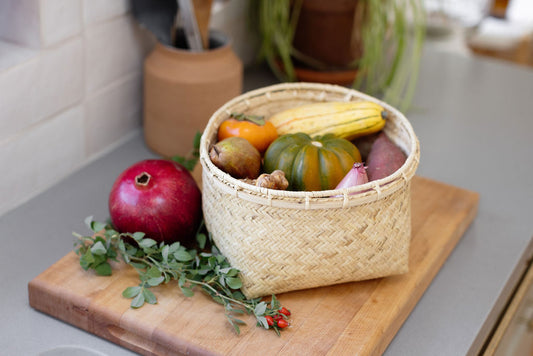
{"x": 159, "y": 263}
{"x": 190, "y": 161}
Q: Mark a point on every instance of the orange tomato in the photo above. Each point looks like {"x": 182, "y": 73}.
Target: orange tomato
{"x": 259, "y": 135}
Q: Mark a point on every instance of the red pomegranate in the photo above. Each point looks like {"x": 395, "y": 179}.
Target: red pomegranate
{"x": 158, "y": 197}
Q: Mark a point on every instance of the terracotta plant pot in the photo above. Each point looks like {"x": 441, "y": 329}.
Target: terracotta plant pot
{"x": 328, "y": 31}
{"x": 182, "y": 89}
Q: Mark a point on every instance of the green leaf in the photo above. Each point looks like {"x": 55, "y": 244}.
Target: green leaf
{"x": 260, "y": 308}
{"x": 131, "y": 250}
{"x": 131, "y": 292}
{"x": 155, "y": 281}
{"x": 138, "y": 265}
{"x": 164, "y": 253}
{"x": 212, "y": 261}
{"x": 233, "y": 323}
{"x": 196, "y": 141}
{"x": 174, "y": 247}
{"x": 153, "y": 272}
{"x": 222, "y": 281}
{"x": 138, "y": 236}
{"x": 261, "y": 320}
{"x": 182, "y": 256}
{"x": 274, "y": 303}
{"x": 149, "y": 297}
{"x": 202, "y": 239}
{"x": 87, "y": 258}
{"x": 99, "y": 259}
{"x": 234, "y": 282}
{"x": 88, "y": 221}
{"x": 111, "y": 253}
{"x": 98, "y": 249}
{"x": 238, "y": 321}
{"x": 138, "y": 301}
{"x": 110, "y": 233}
{"x": 238, "y": 295}
{"x": 188, "y": 292}
{"x": 103, "y": 269}
{"x": 147, "y": 243}
{"x": 97, "y": 226}
{"x": 181, "y": 280}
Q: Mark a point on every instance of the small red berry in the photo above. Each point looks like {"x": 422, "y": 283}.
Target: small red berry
{"x": 270, "y": 320}
{"x": 282, "y": 323}
{"x": 285, "y": 311}
{"x": 277, "y": 317}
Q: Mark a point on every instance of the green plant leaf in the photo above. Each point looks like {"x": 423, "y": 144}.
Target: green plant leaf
{"x": 188, "y": 292}
{"x": 131, "y": 292}
{"x": 103, "y": 269}
{"x": 261, "y": 320}
{"x": 155, "y": 281}
{"x": 274, "y": 303}
{"x": 164, "y": 253}
{"x": 97, "y": 226}
{"x": 147, "y": 243}
{"x": 234, "y": 282}
{"x": 202, "y": 239}
{"x": 260, "y": 308}
{"x": 88, "y": 221}
{"x": 196, "y": 141}
{"x": 87, "y": 259}
{"x": 174, "y": 247}
{"x": 149, "y": 297}
{"x": 138, "y": 236}
{"x": 234, "y": 324}
{"x": 182, "y": 255}
{"x": 138, "y": 301}
{"x": 98, "y": 248}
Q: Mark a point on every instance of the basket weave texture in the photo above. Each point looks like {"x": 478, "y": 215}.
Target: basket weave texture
{"x": 285, "y": 240}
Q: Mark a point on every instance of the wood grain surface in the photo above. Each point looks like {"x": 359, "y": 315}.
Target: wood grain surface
{"x": 359, "y": 318}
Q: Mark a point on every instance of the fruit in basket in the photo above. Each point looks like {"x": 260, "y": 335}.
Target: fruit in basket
{"x": 385, "y": 158}
{"x": 158, "y": 197}
{"x": 259, "y": 132}
{"x": 237, "y": 157}
{"x": 317, "y": 163}
{"x": 343, "y": 119}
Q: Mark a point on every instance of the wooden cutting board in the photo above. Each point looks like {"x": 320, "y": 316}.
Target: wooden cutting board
{"x": 358, "y": 318}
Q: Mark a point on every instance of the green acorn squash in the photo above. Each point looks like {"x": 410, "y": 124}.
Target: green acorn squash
{"x": 317, "y": 163}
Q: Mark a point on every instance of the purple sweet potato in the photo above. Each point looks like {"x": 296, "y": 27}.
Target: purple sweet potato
{"x": 364, "y": 144}
{"x": 384, "y": 158}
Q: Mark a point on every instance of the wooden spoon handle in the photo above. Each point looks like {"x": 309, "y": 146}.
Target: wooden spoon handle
{"x": 202, "y": 10}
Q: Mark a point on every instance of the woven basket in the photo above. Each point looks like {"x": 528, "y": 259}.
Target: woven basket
{"x": 286, "y": 240}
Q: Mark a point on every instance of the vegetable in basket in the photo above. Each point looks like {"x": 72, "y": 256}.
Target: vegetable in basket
{"x": 309, "y": 164}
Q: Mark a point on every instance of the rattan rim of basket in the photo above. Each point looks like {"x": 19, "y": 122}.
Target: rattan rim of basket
{"x": 346, "y": 197}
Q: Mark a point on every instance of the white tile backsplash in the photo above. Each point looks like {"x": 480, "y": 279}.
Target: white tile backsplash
{"x": 70, "y": 88}
{"x": 71, "y": 84}
{"x": 40, "y": 87}
{"x": 17, "y": 99}
{"x": 112, "y": 49}
{"x": 100, "y": 10}
{"x": 12, "y": 54}
{"x": 113, "y": 113}
{"x": 40, "y": 157}
{"x": 60, "y": 80}
{"x": 60, "y": 20}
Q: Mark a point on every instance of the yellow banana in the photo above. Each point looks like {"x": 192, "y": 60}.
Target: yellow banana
{"x": 343, "y": 119}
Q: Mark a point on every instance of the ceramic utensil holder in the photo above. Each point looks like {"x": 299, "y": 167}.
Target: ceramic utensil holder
{"x": 182, "y": 89}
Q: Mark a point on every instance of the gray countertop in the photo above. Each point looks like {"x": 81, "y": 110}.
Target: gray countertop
{"x": 475, "y": 126}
